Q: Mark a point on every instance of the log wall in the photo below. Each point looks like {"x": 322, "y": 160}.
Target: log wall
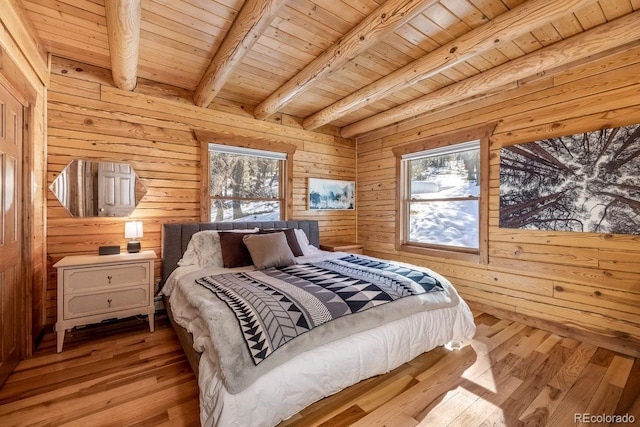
{"x": 584, "y": 285}
{"x": 152, "y": 129}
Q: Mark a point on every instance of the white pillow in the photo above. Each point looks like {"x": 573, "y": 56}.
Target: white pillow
{"x": 303, "y": 242}
{"x": 204, "y": 248}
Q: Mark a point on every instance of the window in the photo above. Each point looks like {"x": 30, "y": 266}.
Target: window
{"x": 246, "y": 184}
{"x": 443, "y": 188}
{"x": 444, "y": 194}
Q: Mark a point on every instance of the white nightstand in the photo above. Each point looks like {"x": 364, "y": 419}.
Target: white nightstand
{"x": 93, "y": 288}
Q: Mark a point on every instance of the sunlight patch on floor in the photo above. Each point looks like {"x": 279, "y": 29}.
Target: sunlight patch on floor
{"x": 480, "y": 372}
{"x": 479, "y": 399}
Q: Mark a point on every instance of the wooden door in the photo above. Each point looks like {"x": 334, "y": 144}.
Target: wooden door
{"x": 12, "y": 316}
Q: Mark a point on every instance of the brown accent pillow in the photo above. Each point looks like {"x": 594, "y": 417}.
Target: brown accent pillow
{"x": 269, "y": 250}
{"x": 290, "y": 234}
{"x": 234, "y": 251}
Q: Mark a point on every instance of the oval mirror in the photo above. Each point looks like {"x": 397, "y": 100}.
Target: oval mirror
{"x": 89, "y": 188}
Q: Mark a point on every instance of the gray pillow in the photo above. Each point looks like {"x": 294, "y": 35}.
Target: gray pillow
{"x": 269, "y": 250}
{"x": 290, "y": 234}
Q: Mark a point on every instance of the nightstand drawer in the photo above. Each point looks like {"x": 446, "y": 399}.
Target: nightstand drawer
{"x": 105, "y": 302}
{"x": 85, "y": 279}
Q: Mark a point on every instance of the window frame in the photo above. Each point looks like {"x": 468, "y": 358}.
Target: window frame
{"x": 286, "y": 178}
{"x": 403, "y": 198}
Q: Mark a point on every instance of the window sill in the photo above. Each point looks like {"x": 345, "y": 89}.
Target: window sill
{"x": 441, "y": 253}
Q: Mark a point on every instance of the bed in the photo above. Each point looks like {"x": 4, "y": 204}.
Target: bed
{"x": 257, "y": 367}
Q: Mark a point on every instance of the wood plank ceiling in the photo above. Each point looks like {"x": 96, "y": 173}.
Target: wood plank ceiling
{"x": 356, "y": 64}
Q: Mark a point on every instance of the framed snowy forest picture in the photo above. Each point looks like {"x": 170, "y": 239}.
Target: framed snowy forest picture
{"x": 331, "y": 194}
{"x": 588, "y": 182}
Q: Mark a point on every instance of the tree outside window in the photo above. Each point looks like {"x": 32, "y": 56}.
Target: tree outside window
{"x": 442, "y": 203}
{"x": 444, "y": 195}
{"x": 443, "y": 191}
{"x": 245, "y": 184}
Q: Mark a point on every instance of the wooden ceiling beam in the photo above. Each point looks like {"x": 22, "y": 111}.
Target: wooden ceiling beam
{"x": 253, "y": 19}
{"x": 123, "y": 31}
{"x": 514, "y": 23}
{"x": 594, "y": 41}
{"x": 384, "y": 20}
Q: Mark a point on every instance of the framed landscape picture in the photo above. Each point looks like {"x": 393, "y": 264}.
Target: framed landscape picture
{"x": 331, "y": 194}
{"x": 586, "y": 182}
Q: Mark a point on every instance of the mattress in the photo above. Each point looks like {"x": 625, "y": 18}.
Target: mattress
{"x": 291, "y": 385}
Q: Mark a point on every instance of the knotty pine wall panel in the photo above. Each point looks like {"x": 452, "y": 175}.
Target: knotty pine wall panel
{"x": 585, "y": 285}
{"x": 88, "y": 118}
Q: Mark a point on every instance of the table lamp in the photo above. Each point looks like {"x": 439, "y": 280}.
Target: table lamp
{"x": 133, "y": 230}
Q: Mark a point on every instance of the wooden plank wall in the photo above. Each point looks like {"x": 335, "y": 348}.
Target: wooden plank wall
{"x": 581, "y": 284}
{"x": 35, "y": 214}
{"x": 152, "y": 129}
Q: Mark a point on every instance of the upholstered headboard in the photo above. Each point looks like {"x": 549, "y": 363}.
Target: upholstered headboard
{"x": 175, "y": 237}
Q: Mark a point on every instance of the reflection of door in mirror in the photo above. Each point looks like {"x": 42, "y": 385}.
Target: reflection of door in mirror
{"x": 116, "y": 189}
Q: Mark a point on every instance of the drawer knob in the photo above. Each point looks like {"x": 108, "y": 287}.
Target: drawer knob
{"x": 109, "y": 302}
{"x": 109, "y": 279}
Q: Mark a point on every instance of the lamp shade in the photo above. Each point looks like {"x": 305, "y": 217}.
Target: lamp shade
{"x": 133, "y": 229}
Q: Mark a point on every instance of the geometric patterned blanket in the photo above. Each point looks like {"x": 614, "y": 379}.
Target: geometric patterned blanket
{"x": 275, "y": 305}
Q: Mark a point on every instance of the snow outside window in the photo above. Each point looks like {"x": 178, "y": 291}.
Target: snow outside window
{"x": 245, "y": 184}
{"x": 442, "y": 197}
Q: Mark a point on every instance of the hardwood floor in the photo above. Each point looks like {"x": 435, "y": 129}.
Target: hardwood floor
{"x": 120, "y": 374}
{"x": 115, "y": 374}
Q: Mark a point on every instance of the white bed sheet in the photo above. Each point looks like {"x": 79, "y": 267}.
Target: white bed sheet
{"x": 284, "y": 391}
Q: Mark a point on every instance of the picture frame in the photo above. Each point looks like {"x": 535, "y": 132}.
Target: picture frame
{"x": 331, "y": 194}
{"x": 584, "y": 182}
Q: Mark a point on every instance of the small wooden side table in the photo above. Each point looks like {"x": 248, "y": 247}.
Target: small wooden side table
{"x": 353, "y": 248}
